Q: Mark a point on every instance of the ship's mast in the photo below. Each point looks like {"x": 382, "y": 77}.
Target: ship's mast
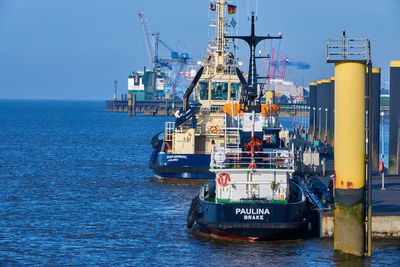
{"x": 251, "y": 97}
{"x": 220, "y": 41}
{"x": 217, "y": 61}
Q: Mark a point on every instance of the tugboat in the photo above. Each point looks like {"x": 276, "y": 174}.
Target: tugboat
{"x": 253, "y": 196}
{"x": 182, "y": 151}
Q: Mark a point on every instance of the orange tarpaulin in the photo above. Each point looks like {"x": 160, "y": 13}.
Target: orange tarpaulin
{"x": 238, "y": 108}
{"x": 266, "y": 108}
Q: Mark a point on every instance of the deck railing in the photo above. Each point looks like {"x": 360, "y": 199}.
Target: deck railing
{"x": 280, "y": 159}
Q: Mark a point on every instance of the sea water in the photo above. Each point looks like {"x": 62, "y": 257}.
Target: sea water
{"x": 76, "y": 190}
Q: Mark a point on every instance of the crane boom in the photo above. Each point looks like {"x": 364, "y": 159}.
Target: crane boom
{"x": 148, "y": 38}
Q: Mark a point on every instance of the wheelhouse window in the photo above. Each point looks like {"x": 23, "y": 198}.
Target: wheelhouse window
{"x": 219, "y": 91}
{"x": 203, "y": 88}
{"x": 235, "y": 91}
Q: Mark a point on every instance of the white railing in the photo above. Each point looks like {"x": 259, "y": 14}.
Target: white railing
{"x": 278, "y": 159}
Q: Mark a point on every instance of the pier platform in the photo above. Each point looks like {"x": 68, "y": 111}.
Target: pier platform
{"x": 147, "y": 108}
{"x": 385, "y": 207}
{"x": 168, "y": 108}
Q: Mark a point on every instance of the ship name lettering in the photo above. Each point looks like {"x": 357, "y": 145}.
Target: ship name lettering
{"x": 252, "y": 211}
{"x": 254, "y": 217}
{"x": 176, "y": 157}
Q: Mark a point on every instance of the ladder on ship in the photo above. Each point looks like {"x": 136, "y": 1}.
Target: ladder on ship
{"x": 232, "y": 140}
{"x": 169, "y": 131}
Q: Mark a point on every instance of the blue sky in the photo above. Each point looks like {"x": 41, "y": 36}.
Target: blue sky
{"x": 74, "y": 49}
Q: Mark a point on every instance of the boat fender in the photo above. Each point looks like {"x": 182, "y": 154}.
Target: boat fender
{"x": 213, "y": 129}
{"x": 380, "y": 166}
{"x": 194, "y": 213}
{"x": 223, "y": 179}
{"x": 166, "y": 147}
{"x": 154, "y": 140}
{"x": 273, "y": 184}
{"x": 281, "y": 193}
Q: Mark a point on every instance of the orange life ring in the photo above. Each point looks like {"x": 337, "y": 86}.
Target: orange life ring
{"x": 223, "y": 179}
{"x": 213, "y": 129}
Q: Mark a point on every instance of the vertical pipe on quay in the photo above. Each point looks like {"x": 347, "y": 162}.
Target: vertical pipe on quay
{"x": 313, "y": 101}
{"x": 375, "y": 116}
{"x": 331, "y": 111}
{"x": 394, "y": 119}
{"x": 325, "y": 92}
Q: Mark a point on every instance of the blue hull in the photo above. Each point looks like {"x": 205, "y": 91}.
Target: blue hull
{"x": 249, "y": 221}
{"x": 180, "y": 166}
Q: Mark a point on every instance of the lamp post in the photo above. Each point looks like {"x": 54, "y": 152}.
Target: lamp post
{"x": 304, "y": 117}
{"x": 314, "y": 123}
{"x": 301, "y": 119}
{"x": 326, "y": 125}
{"x": 319, "y": 123}
{"x": 294, "y": 117}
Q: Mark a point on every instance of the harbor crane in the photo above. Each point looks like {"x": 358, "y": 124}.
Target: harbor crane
{"x": 277, "y": 65}
{"x": 172, "y": 65}
{"x": 153, "y": 41}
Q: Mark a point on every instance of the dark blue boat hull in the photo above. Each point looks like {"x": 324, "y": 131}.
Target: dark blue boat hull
{"x": 180, "y": 166}
{"x": 253, "y": 221}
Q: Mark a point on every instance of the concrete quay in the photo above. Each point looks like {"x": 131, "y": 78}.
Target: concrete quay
{"x": 385, "y": 207}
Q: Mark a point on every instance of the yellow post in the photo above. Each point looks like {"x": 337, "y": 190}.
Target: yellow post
{"x": 349, "y": 158}
{"x": 131, "y": 105}
{"x": 269, "y": 97}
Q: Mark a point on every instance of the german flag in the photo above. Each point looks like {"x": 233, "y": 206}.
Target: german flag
{"x": 231, "y": 9}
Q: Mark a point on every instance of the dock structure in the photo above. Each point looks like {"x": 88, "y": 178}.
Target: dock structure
{"x": 130, "y": 105}
{"x": 321, "y": 114}
{"x": 394, "y": 119}
{"x": 117, "y": 105}
{"x": 385, "y": 203}
{"x": 385, "y": 206}
{"x": 148, "y": 108}
{"x": 313, "y": 107}
{"x": 375, "y": 115}
{"x": 331, "y": 112}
